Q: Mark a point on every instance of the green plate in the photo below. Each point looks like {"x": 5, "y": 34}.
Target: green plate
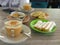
{"x": 34, "y": 22}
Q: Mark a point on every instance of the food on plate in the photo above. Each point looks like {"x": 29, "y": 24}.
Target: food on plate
{"x": 45, "y": 26}
{"x": 39, "y": 14}
{"x": 26, "y": 19}
{"x": 38, "y": 24}
{"x": 9, "y": 17}
{"x": 50, "y": 26}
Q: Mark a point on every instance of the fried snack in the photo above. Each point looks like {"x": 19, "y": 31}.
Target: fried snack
{"x": 39, "y": 14}
{"x": 45, "y": 26}
{"x": 10, "y": 17}
{"x": 26, "y": 19}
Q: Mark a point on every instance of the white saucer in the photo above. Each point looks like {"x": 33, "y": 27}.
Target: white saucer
{"x": 21, "y": 13}
{"x": 19, "y": 39}
{"x": 20, "y": 9}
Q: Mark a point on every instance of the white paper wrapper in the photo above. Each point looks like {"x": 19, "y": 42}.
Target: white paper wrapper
{"x": 4, "y": 3}
{"x": 15, "y": 2}
{"x": 1, "y": 1}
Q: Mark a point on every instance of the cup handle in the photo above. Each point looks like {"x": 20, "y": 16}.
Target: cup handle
{"x": 12, "y": 31}
{"x": 2, "y": 36}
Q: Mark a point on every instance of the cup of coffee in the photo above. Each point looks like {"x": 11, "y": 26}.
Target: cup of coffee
{"x": 27, "y": 6}
{"x": 13, "y": 28}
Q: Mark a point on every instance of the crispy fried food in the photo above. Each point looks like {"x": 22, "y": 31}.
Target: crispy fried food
{"x": 39, "y": 14}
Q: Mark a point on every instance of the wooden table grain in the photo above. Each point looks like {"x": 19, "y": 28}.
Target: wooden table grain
{"x": 38, "y": 38}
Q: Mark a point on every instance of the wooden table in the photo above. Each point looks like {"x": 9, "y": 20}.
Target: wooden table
{"x": 37, "y": 38}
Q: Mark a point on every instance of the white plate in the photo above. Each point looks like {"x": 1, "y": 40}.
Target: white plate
{"x": 19, "y": 39}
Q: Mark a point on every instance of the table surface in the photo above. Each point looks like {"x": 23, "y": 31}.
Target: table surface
{"x": 37, "y": 38}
